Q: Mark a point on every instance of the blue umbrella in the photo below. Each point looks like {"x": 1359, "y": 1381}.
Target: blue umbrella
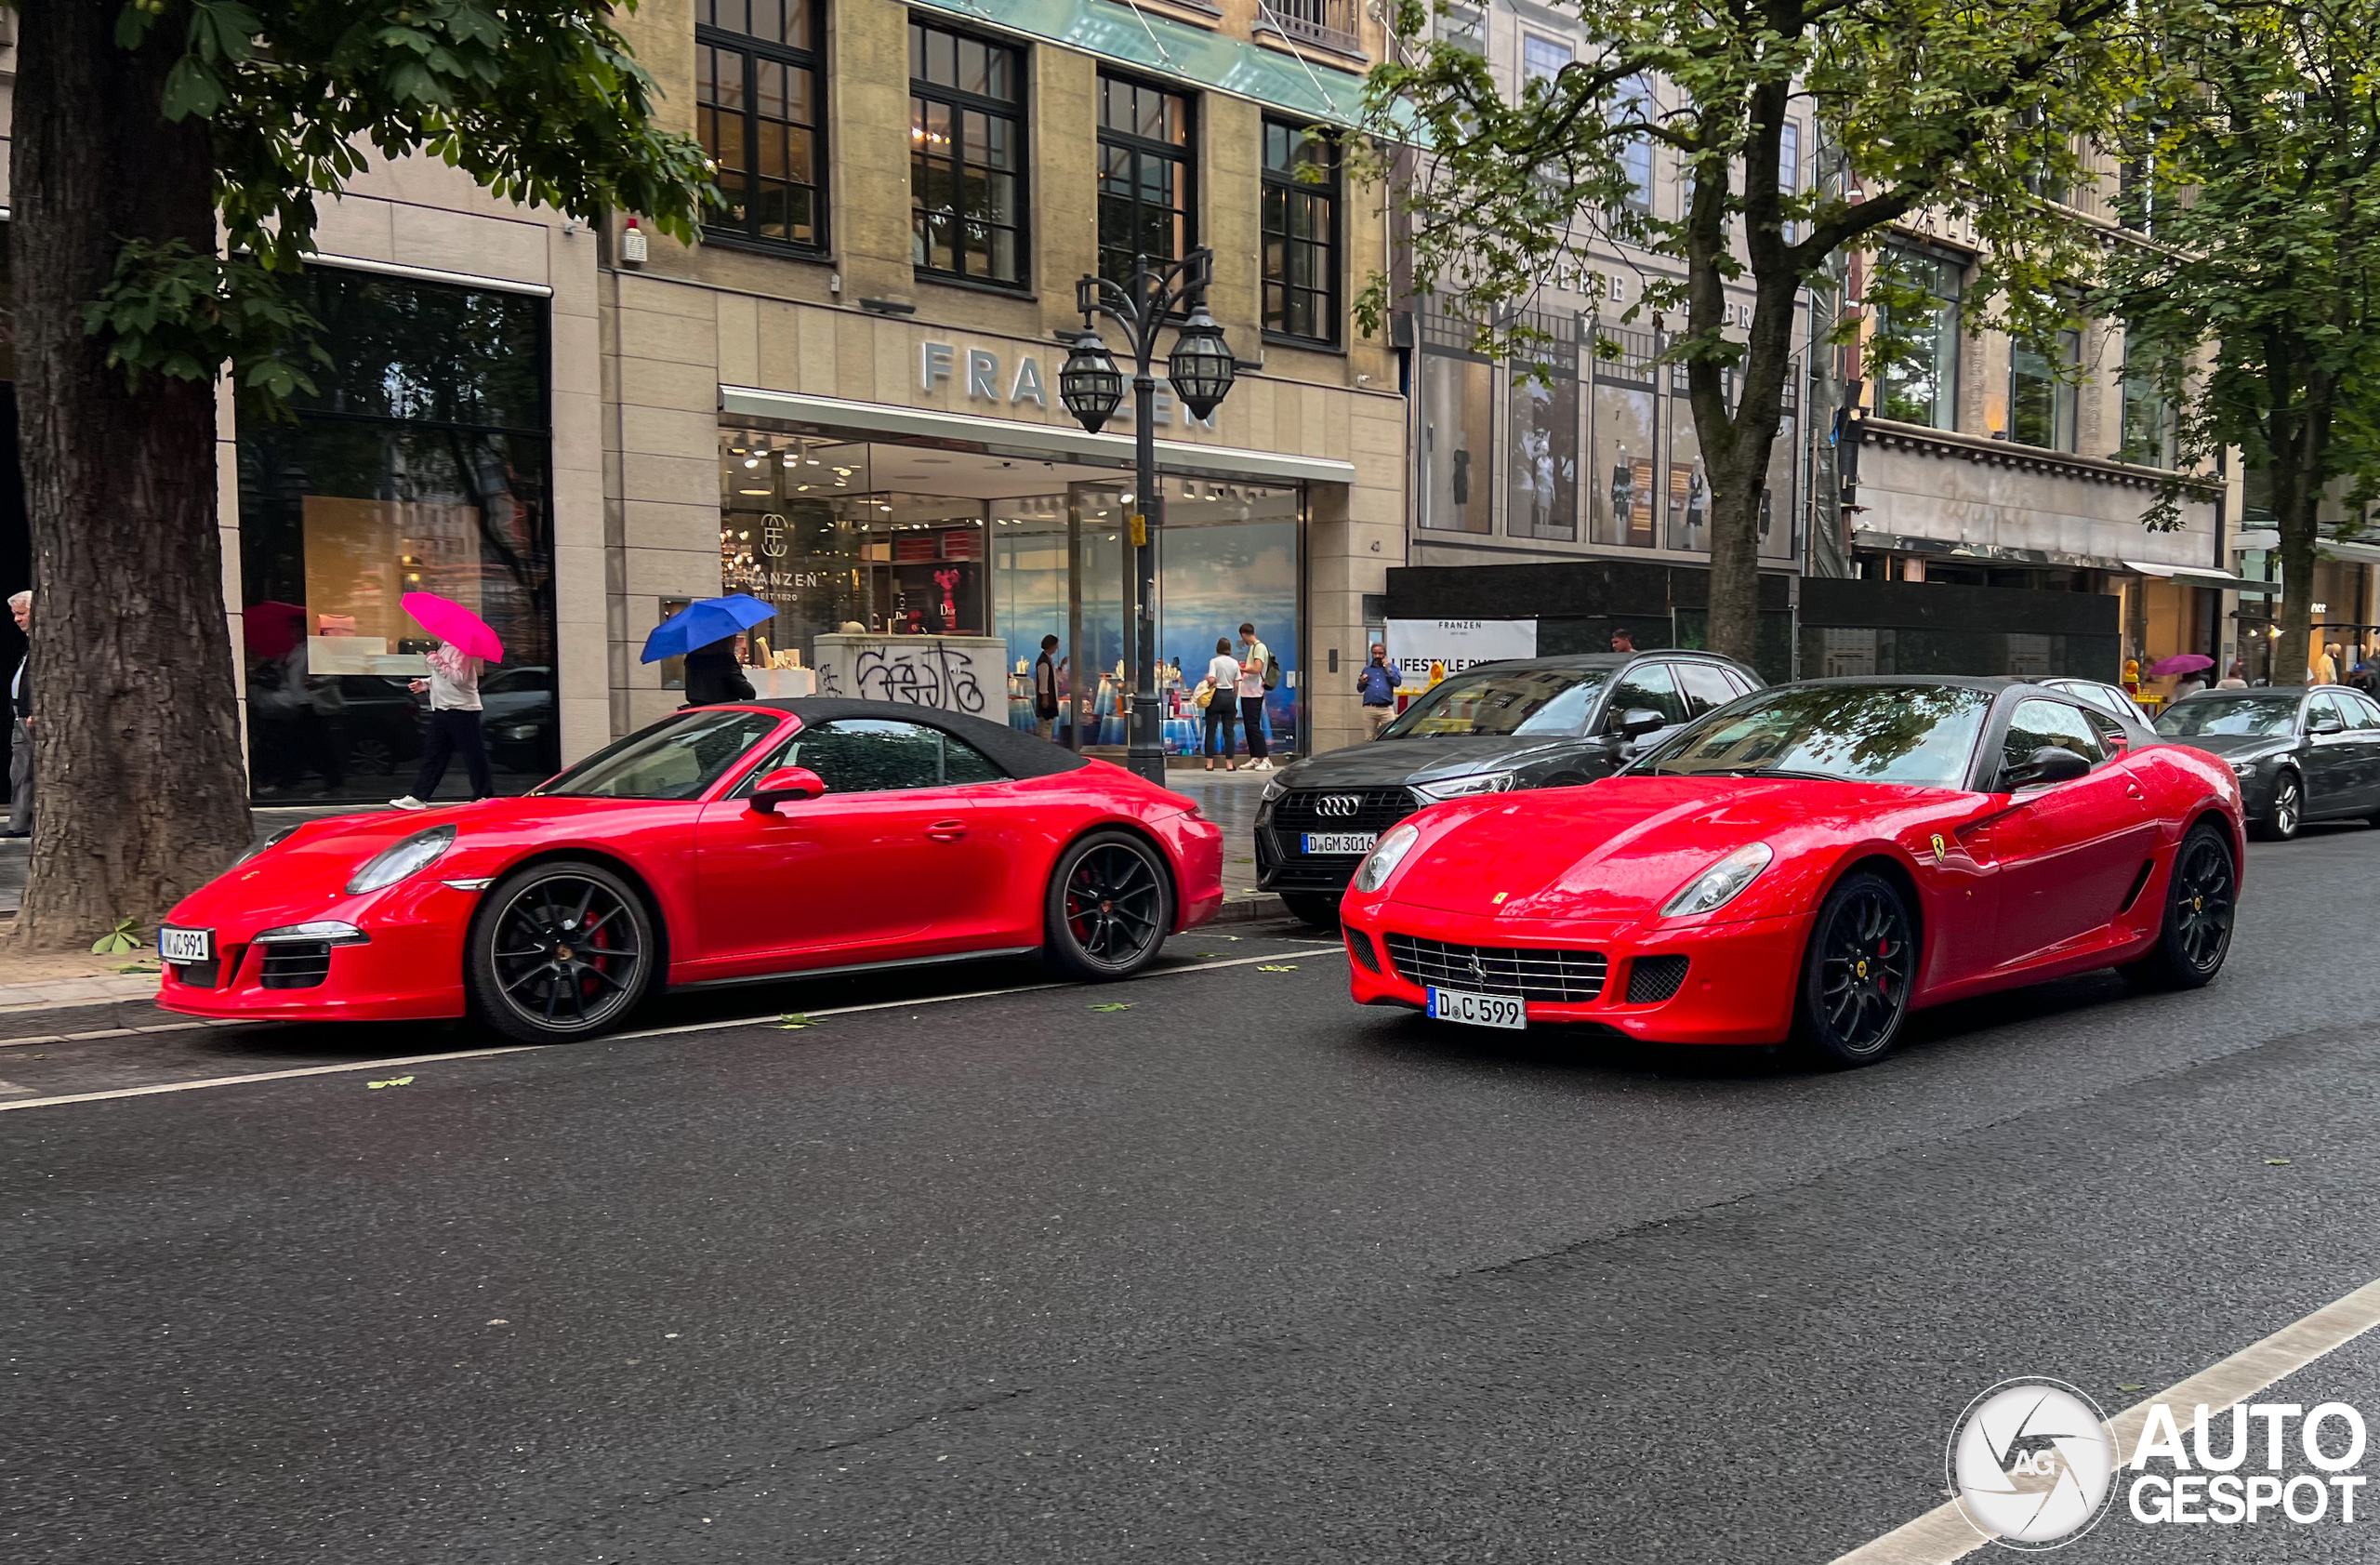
{"x": 702, "y": 622}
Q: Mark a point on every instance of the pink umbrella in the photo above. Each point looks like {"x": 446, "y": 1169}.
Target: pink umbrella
{"x": 453, "y": 624}
{"x": 2181, "y": 663}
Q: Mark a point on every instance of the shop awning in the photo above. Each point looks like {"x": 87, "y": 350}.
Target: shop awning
{"x": 2203, "y": 576}
{"x": 842, "y": 419}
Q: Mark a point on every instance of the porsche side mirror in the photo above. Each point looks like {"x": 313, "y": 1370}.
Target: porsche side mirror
{"x": 2046, "y": 765}
{"x": 795, "y": 783}
{"x": 2324, "y": 722}
{"x": 1637, "y": 722}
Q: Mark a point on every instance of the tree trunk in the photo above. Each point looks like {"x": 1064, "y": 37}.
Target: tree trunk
{"x": 1734, "y": 551}
{"x": 139, "y": 792}
{"x": 2295, "y": 504}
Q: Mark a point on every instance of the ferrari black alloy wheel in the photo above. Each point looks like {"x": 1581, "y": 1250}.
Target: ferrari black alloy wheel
{"x": 1110, "y": 907}
{"x": 1855, "y": 977}
{"x": 2288, "y": 809}
{"x": 2200, "y": 898}
{"x": 560, "y": 950}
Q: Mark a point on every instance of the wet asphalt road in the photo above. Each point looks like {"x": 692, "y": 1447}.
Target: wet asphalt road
{"x": 1240, "y": 1273}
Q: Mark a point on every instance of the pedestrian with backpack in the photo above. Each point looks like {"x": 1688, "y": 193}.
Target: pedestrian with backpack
{"x": 1258, "y": 673}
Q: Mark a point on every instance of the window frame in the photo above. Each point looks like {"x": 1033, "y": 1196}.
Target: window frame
{"x": 1332, "y": 246}
{"x": 752, "y": 49}
{"x": 1019, "y": 113}
{"x": 2066, "y": 398}
{"x": 1949, "y": 336}
{"x": 1185, "y": 158}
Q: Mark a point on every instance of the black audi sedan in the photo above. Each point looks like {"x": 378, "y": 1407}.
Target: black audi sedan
{"x": 2300, "y": 755}
{"x": 1533, "y": 722}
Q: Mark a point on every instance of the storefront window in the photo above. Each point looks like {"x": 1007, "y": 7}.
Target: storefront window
{"x": 1542, "y": 495}
{"x": 1228, "y": 555}
{"x": 422, "y": 465}
{"x": 1458, "y": 442}
{"x": 1622, "y": 485}
{"x": 1688, "y": 494}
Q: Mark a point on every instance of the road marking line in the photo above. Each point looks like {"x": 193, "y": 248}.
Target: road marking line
{"x": 1944, "y": 1534}
{"x": 107, "y": 1032}
{"x": 620, "y": 1037}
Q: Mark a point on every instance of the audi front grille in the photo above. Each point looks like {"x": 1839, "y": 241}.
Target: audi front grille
{"x": 1526, "y": 973}
{"x": 1345, "y": 809}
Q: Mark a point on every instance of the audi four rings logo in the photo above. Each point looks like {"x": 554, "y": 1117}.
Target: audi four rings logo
{"x": 1338, "y": 804}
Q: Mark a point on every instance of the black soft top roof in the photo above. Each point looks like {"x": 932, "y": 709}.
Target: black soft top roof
{"x": 1017, "y": 753}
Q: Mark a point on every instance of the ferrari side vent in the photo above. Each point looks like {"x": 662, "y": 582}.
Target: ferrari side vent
{"x": 1655, "y": 978}
{"x": 1525, "y": 972}
{"x": 199, "y": 975}
{"x": 2139, "y": 884}
{"x": 1359, "y": 946}
{"x": 296, "y": 964}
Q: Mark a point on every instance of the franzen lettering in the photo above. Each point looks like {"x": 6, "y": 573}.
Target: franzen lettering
{"x": 939, "y": 364}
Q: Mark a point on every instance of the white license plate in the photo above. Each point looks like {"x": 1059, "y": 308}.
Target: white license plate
{"x": 1477, "y": 1010}
{"x": 1341, "y": 841}
{"x": 186, "y": 944}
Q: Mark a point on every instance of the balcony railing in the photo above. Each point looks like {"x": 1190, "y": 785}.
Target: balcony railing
{"x": 1329, "y": 24}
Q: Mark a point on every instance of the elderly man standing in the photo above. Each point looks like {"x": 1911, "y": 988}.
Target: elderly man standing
{"x": 21, "y": 728}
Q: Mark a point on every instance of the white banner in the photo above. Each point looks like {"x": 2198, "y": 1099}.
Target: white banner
{"x": 1419, "y": 649}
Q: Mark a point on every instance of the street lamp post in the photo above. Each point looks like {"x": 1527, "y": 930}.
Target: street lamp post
{"x": 1091, "y": 385}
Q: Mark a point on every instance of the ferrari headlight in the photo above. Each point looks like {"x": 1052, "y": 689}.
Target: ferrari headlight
{"x": 416, "y": 853}
{"x": 1463, "y": 787}
{"x": 1386, "y": 854}
{"x": 1719, "y": 885}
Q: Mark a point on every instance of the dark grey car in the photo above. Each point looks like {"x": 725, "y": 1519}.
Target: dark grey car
{"x": 1535, "y": 722}
{"x": 2300, "y": 755}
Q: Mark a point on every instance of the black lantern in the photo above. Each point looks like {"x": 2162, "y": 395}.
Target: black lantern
{"x": 1091, "y": 385}
{"x": 1201, "y": 367}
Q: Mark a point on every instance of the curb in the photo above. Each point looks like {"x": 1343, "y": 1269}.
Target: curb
{"x": 1250, "y": 910}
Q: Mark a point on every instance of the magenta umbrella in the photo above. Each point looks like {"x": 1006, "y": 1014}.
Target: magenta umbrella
{"x": 453, "y": 624}
{"x": 2181, "y": 663}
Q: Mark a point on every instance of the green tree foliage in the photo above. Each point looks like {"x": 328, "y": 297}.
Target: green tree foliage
{"x": 541, "y": 103}
{"x": 1979, "y": 107}
{"x": 2253, "y": 302}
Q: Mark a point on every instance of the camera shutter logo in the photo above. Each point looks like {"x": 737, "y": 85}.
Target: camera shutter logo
{"x": 2031, "y": 1463}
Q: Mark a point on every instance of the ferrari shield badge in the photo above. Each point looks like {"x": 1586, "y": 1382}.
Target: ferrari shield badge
{"x": 1941, "y": 849}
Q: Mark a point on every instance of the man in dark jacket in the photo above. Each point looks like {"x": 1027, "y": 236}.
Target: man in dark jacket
{"x": 21, "y": 728}
{"x": 715, "y": 674}
{"x": 1045, "y": 688}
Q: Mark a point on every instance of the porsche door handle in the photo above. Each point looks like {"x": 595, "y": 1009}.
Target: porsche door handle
{"x": 946, "y": 830}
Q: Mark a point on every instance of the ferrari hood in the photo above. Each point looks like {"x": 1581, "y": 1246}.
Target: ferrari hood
{"x": 1395, "y": 762}
{"x": 1619, "y": 848}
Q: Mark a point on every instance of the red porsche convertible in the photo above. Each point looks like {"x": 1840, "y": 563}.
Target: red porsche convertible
{"x": 723, "y": 844}
{"x": 1813, "y": 861}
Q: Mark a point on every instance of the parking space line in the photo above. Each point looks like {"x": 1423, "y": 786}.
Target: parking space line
{"x": 718, "y": 1026}
{"x": 1944, "y": 1534}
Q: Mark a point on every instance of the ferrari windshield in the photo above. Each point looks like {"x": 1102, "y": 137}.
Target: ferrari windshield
{"x": 1489, "y": 703}
{"x": 678, "y": 758}
{"x": 1921, "y": 735}
{"x": 2265, "y": 716}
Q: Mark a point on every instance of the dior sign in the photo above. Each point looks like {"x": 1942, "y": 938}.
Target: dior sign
{"x": 987, "y": 379}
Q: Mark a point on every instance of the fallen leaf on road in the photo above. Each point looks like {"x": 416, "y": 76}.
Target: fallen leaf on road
{"x": 2135, "y": 1385}
{"x": 2276, "y": 1162}
{"x": 499, "y": 1322}
{"x": 391, "y": 1082}
{"x": 1115, "y": 1005}
{"x": 792, "y": 1019}
{"x": 1205, "y": 954}
{"x": 1276, "y": 967}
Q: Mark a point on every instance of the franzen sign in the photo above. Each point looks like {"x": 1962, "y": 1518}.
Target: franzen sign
{"x": 988, "y": 378}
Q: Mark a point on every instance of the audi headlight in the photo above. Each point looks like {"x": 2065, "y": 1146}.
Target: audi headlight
{"x": 1273, "y": 788}
{"x": 1720, "y": 884}
{"x": 2247, "y": 768}
{"x": 416, "y": 853}
{"x": 1386, "y": 854}
{"x": 1463, "y": 787}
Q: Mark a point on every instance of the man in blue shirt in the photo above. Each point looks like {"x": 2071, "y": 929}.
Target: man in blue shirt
{"x": 1377, "y": 685}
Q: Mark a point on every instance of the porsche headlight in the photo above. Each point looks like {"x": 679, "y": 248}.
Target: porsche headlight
{"x": 1719, "y": 885}
{"x": 1462, "y": 788}
{"x": 1386, "y": 854}
{"x": 416, "y": 853}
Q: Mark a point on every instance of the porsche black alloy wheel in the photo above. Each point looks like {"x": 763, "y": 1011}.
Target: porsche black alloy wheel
{"x": 2288, "y": 810}
{"x": 560, "y": 950}
{"x": 1110, "y": 907}
{"x": 1855, "y": 977}
{"x": 2200, "y": 898}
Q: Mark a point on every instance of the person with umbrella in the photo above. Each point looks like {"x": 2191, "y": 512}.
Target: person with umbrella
{"x": 705, "y": 633}
{"x": 715, "y": 674}
{"x": 465, "y": 644}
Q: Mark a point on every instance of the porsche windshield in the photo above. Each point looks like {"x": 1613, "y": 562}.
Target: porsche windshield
{"x": 1492, "y": 702}
{"x": 1921, "y": 734}
{"x": 2270, "y": 716}
{"x": 677, "y": 758}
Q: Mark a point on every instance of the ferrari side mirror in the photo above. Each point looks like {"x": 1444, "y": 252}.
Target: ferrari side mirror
{"x": 2048, "y": 764}
{"x": 795, "y": 783}
{"x": 1637, "y": 722}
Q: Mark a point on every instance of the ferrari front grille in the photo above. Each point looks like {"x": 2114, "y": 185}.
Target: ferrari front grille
{"x": 1527, "y": 973}
{"x": 296, "y": 964}
{"x": 1359, "y": 946}
{"x": 1655, "y": 978}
